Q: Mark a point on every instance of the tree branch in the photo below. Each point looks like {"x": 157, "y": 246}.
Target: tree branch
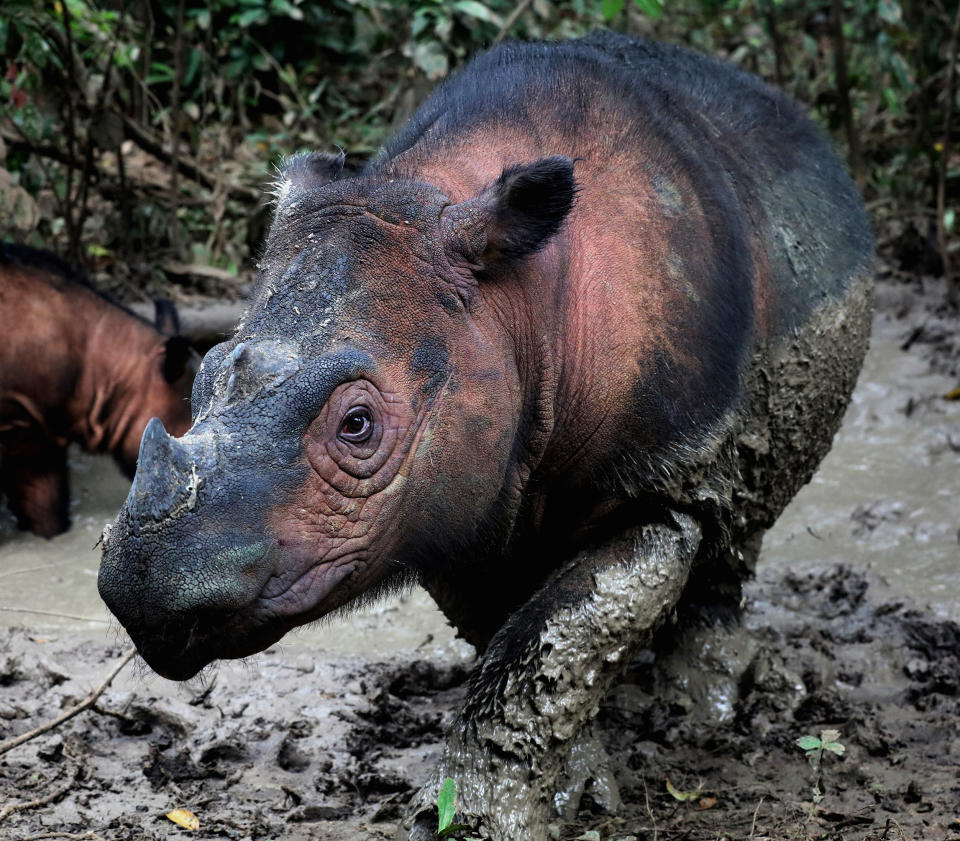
{"x": 185, "y": 165}
{"x": 87, "y": 702}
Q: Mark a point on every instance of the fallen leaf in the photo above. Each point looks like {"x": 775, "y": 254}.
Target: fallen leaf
{"x": 952, "y": 395}
{"x": 184, "y": 818}
{"x": 708, "y": 802}
{"x": 682, "y": 796}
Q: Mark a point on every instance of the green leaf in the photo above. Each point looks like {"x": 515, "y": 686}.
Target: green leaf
{"x": 682, "y": 796}
{"x": 421, "y": 19}
{"x": 446, "y": 804}
{"x": 901, "y": 71}
{"x": 159, "y": 73}
{"x": 829, "y": 735}
{"x": 651, "y": 8}
{"x": 611, "y": 8}
{"x": 834, "y": 747}
{"x": 949, "y": 217}
{"x": 454, "y": 827}
{"x": 250, "y": 17}
{"x": 476, "y": 9}
{"x": 890, "y": 12}
{"x": 893, "y": 101}
{"x": 193, "y": 65}
{"x": 808, "y": 743}
{"x": 431, "y": 59}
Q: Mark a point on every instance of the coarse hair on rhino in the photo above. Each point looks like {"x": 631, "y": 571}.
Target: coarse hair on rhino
{"x": 76, "y": 368}
{"x": 585, "y": 324}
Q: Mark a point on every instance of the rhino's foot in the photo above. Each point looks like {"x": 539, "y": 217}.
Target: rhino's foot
{"x": 496, "y": 800}
{"x": 520, "y": 736}
{"x": 588, "y": 772}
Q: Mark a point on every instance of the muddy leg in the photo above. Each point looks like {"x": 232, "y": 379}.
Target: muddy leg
{"x": 544, "y": 675}
{"x": 35, "y": 481}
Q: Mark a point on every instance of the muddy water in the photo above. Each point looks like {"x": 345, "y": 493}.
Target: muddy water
{"x": 886, "y": 498}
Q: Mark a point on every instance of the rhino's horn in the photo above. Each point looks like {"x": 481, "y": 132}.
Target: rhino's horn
{"x": 166, "y": 480}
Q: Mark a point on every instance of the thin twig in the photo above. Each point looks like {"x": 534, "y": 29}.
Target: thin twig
{"x": 646, "y": 800}
{"x": 22, "y": 570}
{"x": 510, "y": 21}
{"x": 843, "y": 89}
{"x": 10, "y": 808}
{"x": 73, "y": 233}
{"x": 89, "y": 701}
{"x": 53, "y": 613}
{"x": 176, "y": 116}
{"x": 89, "y": 835}
{"x": 753, "y": 824}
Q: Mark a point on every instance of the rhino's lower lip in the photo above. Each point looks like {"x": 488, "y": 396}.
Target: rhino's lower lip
{"x": 184, "y": 644}
{"x": 183, "y": 647}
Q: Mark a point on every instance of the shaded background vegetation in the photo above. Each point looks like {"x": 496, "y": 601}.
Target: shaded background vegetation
{"x": 136, "y": 137}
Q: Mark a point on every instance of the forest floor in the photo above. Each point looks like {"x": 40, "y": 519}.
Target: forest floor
{"x": 296, "y": 746}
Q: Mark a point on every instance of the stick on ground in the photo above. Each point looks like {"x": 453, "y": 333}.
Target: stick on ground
{"x": 10, "y": 808}
{"x": 87, "y": 702}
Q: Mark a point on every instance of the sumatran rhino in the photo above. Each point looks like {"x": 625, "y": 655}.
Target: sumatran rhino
{"x": 561, "y": 352}
{"x": 75, "y": 367}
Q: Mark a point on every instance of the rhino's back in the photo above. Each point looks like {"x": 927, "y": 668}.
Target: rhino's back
{"x": 770, "y": 241}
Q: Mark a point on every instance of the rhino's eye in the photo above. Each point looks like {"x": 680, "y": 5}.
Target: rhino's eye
{"x": 357, "y": 426}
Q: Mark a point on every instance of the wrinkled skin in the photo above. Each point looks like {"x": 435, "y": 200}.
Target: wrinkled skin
{"x": 590, "y": 287}
{"x": 76, "y": 368}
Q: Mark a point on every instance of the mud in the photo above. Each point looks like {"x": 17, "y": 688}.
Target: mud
{"x": 852, "y": 624}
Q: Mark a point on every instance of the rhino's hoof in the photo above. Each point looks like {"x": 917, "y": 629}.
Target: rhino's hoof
{"x": 419, "y": 826}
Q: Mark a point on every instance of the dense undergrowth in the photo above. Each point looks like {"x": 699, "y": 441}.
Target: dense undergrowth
{"x": 136, "y": 137}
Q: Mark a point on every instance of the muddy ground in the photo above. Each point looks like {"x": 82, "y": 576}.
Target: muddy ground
{"x": 852, "y": 625}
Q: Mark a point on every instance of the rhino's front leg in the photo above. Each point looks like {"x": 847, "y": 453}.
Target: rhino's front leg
{"x": 544, "y": 675}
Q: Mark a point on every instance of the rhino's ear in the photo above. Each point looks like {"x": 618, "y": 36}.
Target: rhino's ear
{"x": 165, "y": 317}
{"x": 306, "y": 171}
{"x": 177, "y": 353}
{"x": 514, "y": 217}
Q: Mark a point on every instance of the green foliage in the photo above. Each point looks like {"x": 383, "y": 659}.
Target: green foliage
{"x": 815, "y": 748}
{"x": 446, "y": 809}
{"x": 262, "y": 78}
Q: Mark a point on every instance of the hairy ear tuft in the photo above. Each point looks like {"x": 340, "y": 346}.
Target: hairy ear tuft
{"x": 176, "y": 355}
{"x": 529, "y": 204}
{"x": 514, "y": 217}
{"x": 165, "y": 317}
{"x": 306, "y": 171}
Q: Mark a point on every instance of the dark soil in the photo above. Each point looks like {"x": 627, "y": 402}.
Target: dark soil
{"x": 295, "y": 749}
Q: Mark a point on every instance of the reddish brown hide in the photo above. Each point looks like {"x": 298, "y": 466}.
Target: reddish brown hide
{"x": 75, "y": 367}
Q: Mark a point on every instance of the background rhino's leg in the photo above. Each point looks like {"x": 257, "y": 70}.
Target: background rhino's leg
{"x": 35, "y": 482}
{"x": 545, "y": 673}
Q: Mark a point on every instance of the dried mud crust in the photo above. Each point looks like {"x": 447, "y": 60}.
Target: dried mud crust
{"x": 291, "y": 749}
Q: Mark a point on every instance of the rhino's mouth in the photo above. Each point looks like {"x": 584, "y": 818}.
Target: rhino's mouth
{"x": 183, "y": 644}
{"x": 181, "y": 647}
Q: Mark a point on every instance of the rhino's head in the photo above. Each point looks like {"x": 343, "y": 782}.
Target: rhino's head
{"x": 366, "y": 419}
